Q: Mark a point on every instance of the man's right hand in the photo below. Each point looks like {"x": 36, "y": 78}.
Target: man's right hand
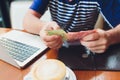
{"x": 52, "y": 41}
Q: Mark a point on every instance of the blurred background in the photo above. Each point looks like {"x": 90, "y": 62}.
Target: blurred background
{"x": 6, "y": 10}
{"x": 12, "y": 13}
{"x": 4, "y": 13}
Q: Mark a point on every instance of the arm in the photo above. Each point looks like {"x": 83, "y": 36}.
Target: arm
{"x": 32, "y": 22}
{"x": 114, "y": 35}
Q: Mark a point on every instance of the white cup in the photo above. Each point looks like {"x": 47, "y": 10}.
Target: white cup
{"x": 49, "y": 69}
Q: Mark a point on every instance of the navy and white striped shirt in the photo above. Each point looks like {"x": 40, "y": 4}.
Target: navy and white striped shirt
{"x": 71, "y": 16}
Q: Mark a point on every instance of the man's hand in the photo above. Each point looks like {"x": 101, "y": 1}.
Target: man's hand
{"x": 72, "y": 36}
{"x": 52, "y": 41}
{"x": 97, "y": 42}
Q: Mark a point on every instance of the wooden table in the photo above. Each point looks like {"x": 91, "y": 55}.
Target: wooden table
{"x": 8, "y": 72}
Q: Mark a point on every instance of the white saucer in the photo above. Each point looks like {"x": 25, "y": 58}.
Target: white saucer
{"x": 71, "y": 74}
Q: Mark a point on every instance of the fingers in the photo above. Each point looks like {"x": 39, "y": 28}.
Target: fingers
{"x": 54, "y": 41}
{"x": 55, "y": 26}
{"x": 79, "y": 35}
{"x": 98, "y": 49}
{"x": 52, "y": 26}
{"x": 97, "y": 46}
{"x": 97, "y": 42}
{"x": 56, "y": 45}
{"x": 91, "y": 37}
{"x": 94, "y": 43}
{"x": 50, "y": 38}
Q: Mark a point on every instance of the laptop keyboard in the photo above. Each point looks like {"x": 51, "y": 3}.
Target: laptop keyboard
{"x": 17, "y": 50}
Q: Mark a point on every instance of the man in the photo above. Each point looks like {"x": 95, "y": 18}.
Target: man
{"x": 74, "y": 16}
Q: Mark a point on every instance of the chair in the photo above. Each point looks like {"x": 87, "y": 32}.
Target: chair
{"x": 17, "y": 12}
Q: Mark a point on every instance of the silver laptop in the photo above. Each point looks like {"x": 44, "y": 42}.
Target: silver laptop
{"x": 19, "y": 48}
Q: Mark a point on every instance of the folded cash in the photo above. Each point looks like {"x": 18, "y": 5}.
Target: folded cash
{"x": 59, "y": 32}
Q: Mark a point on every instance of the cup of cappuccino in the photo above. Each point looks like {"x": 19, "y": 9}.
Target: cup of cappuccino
{"x": 49, "y": 69}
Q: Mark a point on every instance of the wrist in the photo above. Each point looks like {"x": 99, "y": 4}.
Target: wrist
{"x": 113, "y": 35}
{"x": 110, "y": 37}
